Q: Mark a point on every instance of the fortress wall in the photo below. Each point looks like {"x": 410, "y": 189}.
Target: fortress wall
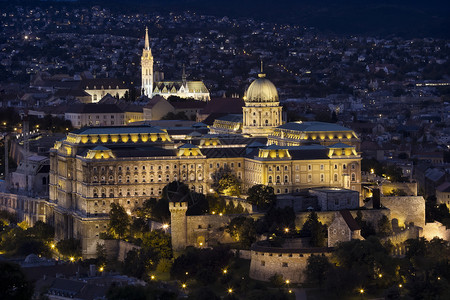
{"x": 407, "y": 209}
{"x": 265, "y": 264}
{"x": 409, "y": 187}
{"x": 327, "y": 217}
{"x": 207, "y": 230}
{"x": 436, "y": 229}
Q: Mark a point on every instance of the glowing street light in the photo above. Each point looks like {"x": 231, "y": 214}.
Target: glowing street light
{"x": 183, "y": 285}
{"x": 165, "y": 226}
{"x": 52, "y": 246}
{"x": 361, "y": 291}
{"x": 400, "y": 285}
{"x": 72, "y": 259}
{"x": 380, "y": 275}
{"x": 287, "y": 281}
{"x": 230, "y": 291}
{"x": 286, "y": 230}
{"x": 152, "y": 277}
{"x": 225, "y": 271}
{"x": 101, "y": 269}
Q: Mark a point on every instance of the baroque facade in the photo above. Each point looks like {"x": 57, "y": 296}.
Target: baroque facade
{"x": 96, "y": 166}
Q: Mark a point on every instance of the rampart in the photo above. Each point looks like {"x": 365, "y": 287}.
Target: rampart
{"x": 289, "y": 263}
{"x": 406, "y": 209}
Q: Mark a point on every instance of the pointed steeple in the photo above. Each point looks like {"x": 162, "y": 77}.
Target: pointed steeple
{"x": 147, "y": 43}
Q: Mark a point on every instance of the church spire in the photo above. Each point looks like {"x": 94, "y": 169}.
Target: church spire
{"x": 147, "y": 44}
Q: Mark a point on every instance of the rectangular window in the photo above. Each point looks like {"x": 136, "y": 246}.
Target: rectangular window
{"x": 309, "y": 167}
{"x": 321, "y": 167}
{"x": 284, "y": 265}
{"x": 263, "y": 263}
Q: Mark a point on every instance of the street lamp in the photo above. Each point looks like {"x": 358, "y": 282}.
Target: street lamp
{"x": 230, "y": 291}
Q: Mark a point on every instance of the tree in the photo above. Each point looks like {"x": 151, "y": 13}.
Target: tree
{"x": 384, "y": 227}
{"x": 69, "y": 247}
{"x": 316, "y": 269}
{"x": 13, "y": 284}
{"x": 366, "y": 259}
{"x": 119, "y": 221}
{"x": 42, "y": 231}
{"x": 242, "y": 229}
{"x": 101, "y": 253}
{"x": 315, "y": 229}
{"x": 262, "y": 196}
{"x": 159, "y": 242}
{"x": 229, "y": 185}
{"x": 226, "y": 182}
{"x": 366, "y": 227}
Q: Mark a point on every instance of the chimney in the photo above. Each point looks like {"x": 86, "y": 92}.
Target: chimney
{"x": 376, "y": 200}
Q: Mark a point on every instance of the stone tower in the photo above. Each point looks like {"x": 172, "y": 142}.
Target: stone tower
{"x": 262, "y": 111}
{"x": 147, "y": 67}
{"x": 178, "y": 222}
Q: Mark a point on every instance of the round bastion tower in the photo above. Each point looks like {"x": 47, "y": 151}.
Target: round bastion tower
{"x": 178, "y": 225}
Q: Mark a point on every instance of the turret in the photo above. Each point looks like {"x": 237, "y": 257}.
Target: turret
{"x": 178, "y": 225}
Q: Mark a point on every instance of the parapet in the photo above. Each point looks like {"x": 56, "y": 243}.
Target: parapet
{"x": 178, "y": 205}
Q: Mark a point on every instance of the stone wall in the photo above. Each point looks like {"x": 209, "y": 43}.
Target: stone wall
{"x": 326, "y": 217}
{"x": 117, "y": 249}
{"x": 436, "y": 229}
{"x": 410, "y": 188}
{"x": 407, "y": 209}
{"x": 208, "y": 230}
{"x": 289, "y": 263}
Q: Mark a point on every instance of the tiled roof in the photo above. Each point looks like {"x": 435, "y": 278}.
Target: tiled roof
{"x": 313, "y": 126}
{"x": 348, "y": 218}
{"x": 118, "y": 130}
{"x": 236, "y": 118}
{"x": 92, "y": 108}
{"x": 444, "y": 188}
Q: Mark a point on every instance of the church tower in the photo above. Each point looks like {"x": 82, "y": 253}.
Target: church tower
{"x": 262, "y": 111}
{"x": 147, "y": 67}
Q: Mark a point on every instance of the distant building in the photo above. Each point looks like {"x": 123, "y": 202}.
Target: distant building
{"x": 32, "y": 175}
{"x": 443, "y": 194}
{"x": 91, "y": 114}
{"x": 99, "y": 87}
{"x": 343, "y": 229}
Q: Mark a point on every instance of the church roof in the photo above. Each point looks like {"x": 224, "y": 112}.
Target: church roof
{"x": 174, "y": 86}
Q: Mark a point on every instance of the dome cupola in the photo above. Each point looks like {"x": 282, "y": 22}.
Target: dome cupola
{"x": 261, "y": 90}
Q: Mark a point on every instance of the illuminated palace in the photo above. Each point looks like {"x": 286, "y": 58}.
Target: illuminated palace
{"x": 94, "y": 167}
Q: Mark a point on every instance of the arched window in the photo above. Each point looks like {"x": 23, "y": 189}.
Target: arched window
{"x": 286, "y": 179}
{"x": 95, "y": 193}
{"x": 353, "y": 177}
{"x": 335, "y": 177}
{"x": 278, "y": 179}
